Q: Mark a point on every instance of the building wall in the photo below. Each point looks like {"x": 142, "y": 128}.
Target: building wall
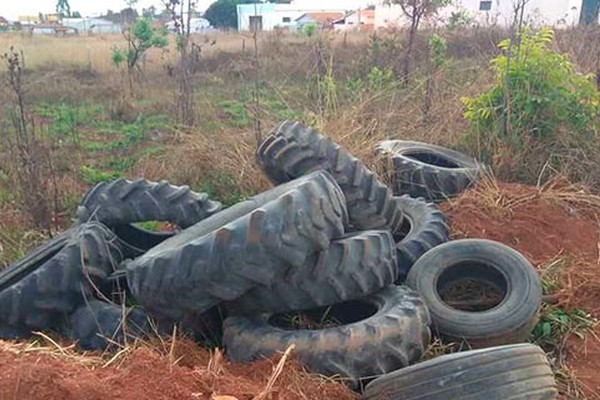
{"x": 537, "y": 12}
{"x": 273, "y": 15}
{"x": 91, "y": 25}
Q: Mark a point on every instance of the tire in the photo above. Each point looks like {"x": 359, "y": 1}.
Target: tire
{"x": 136, "y": 241}
{"x": 517, "y": 372}
{"x": 424, "y": 228}
{"x": 431, "y": 172}
{"x": 57, "y": 279}
{"x": 98, "y": 325}
{"x": 350, "y": 269}
{"x": 35, "y": 259}
{"x": 395, "y": 336}
{"x": 125, "y": 202}
{"x": 506, "y": 320}
{"x": 192, "y": 273}
{"x": 293, "y": 150}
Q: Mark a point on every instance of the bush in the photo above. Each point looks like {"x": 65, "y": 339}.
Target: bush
{"x": 540, "y": 112}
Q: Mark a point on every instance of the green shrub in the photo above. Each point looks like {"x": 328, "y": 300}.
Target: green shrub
{"x": 539, "y": 112}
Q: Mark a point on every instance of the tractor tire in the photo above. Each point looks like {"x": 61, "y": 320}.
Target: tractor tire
{"x": 98, "y": 325}
{"x": 382, "y": 332}
{"x": 125, "y": 202}
{"x": 293, "y": 150}
{"x": 517, "y": 372}
{"x": 51, "y": 282}
{"x": 253, "y": 243}
{"x": 432, "y": 172}
{"x": 350, "y": 269}
{"x": 506, "y": 311}
{"x": 424, "y": 227}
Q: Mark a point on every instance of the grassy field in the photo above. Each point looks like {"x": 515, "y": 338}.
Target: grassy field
{"x": 89, "y": 128}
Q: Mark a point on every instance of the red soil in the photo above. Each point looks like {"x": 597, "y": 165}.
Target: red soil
{"x": 544, "y": 230}
{"x": 146, "y": 374}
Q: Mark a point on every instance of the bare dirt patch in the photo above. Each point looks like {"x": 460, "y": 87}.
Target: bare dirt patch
{"x": 187, "y": 372}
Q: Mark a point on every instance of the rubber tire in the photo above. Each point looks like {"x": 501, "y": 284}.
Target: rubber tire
{"x": 55, "y": 284}
{"x": 292, "y": 150}
{"x": 351, "y": 268}
{"x": 425, "y": 179}
{"x": 125, "y": 202}
{"x": 512, "y": 321}
{"x": 33, "y": 260}
{"x": 424, "y": 228}
{"x": 516, "y": 372}
{"x": 394, "y": 337}
{"x": 99, "y": 325}
{"x": 136, "y": 241}
{"x": 183, "y": 275}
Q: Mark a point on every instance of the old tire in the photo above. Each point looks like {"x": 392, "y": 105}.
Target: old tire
{"x": 428, "y": 171}
{"x": 516, "y": 372}
{"x": 292, "y": 150}
{"x": 58, "y": 279}
{"x": 349, "y": 269}
{"x": 508, "y": 318}
{"x": 190, "y": 273}
{"x": 125, "y": 202}
{"x": 98, "y": 325}
{"x": 392, "y": 332}
{"x": 424, "y": 227}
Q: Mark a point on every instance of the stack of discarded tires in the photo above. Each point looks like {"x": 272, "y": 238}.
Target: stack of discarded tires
{"x": 355, "y": 274}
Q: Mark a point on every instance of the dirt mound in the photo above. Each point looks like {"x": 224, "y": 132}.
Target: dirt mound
{"x": 186, "y": 372}
{"x": 556, "y": 229}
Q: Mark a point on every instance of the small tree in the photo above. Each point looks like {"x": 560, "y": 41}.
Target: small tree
{"x": 416, "y": 11}
{"x": 140, "y": 38}
{"x": 63, "y": 8}
{"x": 551, "y": 116}
{"x": 223, "y": 13}
{"x": 181, "y": 12}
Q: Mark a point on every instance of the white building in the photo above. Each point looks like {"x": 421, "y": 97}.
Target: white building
{"x": 491, "y": 12}
{"x": 269, "y": 16}
{"x": 92, "y": 25}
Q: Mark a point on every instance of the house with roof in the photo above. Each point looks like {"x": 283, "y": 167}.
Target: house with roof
{"x": 323, "y": 20}
{"x": 361, "y": 19}
{"x": 494, "y": 12}
{"x": 269, "y": 16}
{"x": 4, "y": 24}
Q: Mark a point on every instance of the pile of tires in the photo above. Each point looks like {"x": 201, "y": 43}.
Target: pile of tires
{"x": 356, "y": 275}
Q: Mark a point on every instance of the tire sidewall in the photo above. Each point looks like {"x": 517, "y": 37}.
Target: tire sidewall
{"x": 519, "y": 306}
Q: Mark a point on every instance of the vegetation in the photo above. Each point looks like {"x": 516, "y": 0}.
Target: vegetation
{"x": 540, "y": 112}
{"x": 140, "y": 38}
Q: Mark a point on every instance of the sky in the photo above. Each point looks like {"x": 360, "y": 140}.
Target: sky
{"x": 11, "y": 9}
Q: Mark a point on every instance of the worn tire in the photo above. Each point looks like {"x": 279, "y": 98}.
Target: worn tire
{"x": 292, "y": 150}
{"x": 394, "y": 337}
{"x": 505, "y": 321}
{"x": 351, "y": 268}
{"x": 192, "y": 274}
{"x": 136, "y": 241}
{"x": 517, "y": 372}
{"x": 98, "y": 325}
{"x": 424, "y": 228}
{"x": 58, "y": 279}
{"x": 432, "y": 172}
{"x": 125, "y": 202}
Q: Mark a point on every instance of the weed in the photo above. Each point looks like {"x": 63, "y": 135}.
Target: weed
{"x": 91, "y": 175}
